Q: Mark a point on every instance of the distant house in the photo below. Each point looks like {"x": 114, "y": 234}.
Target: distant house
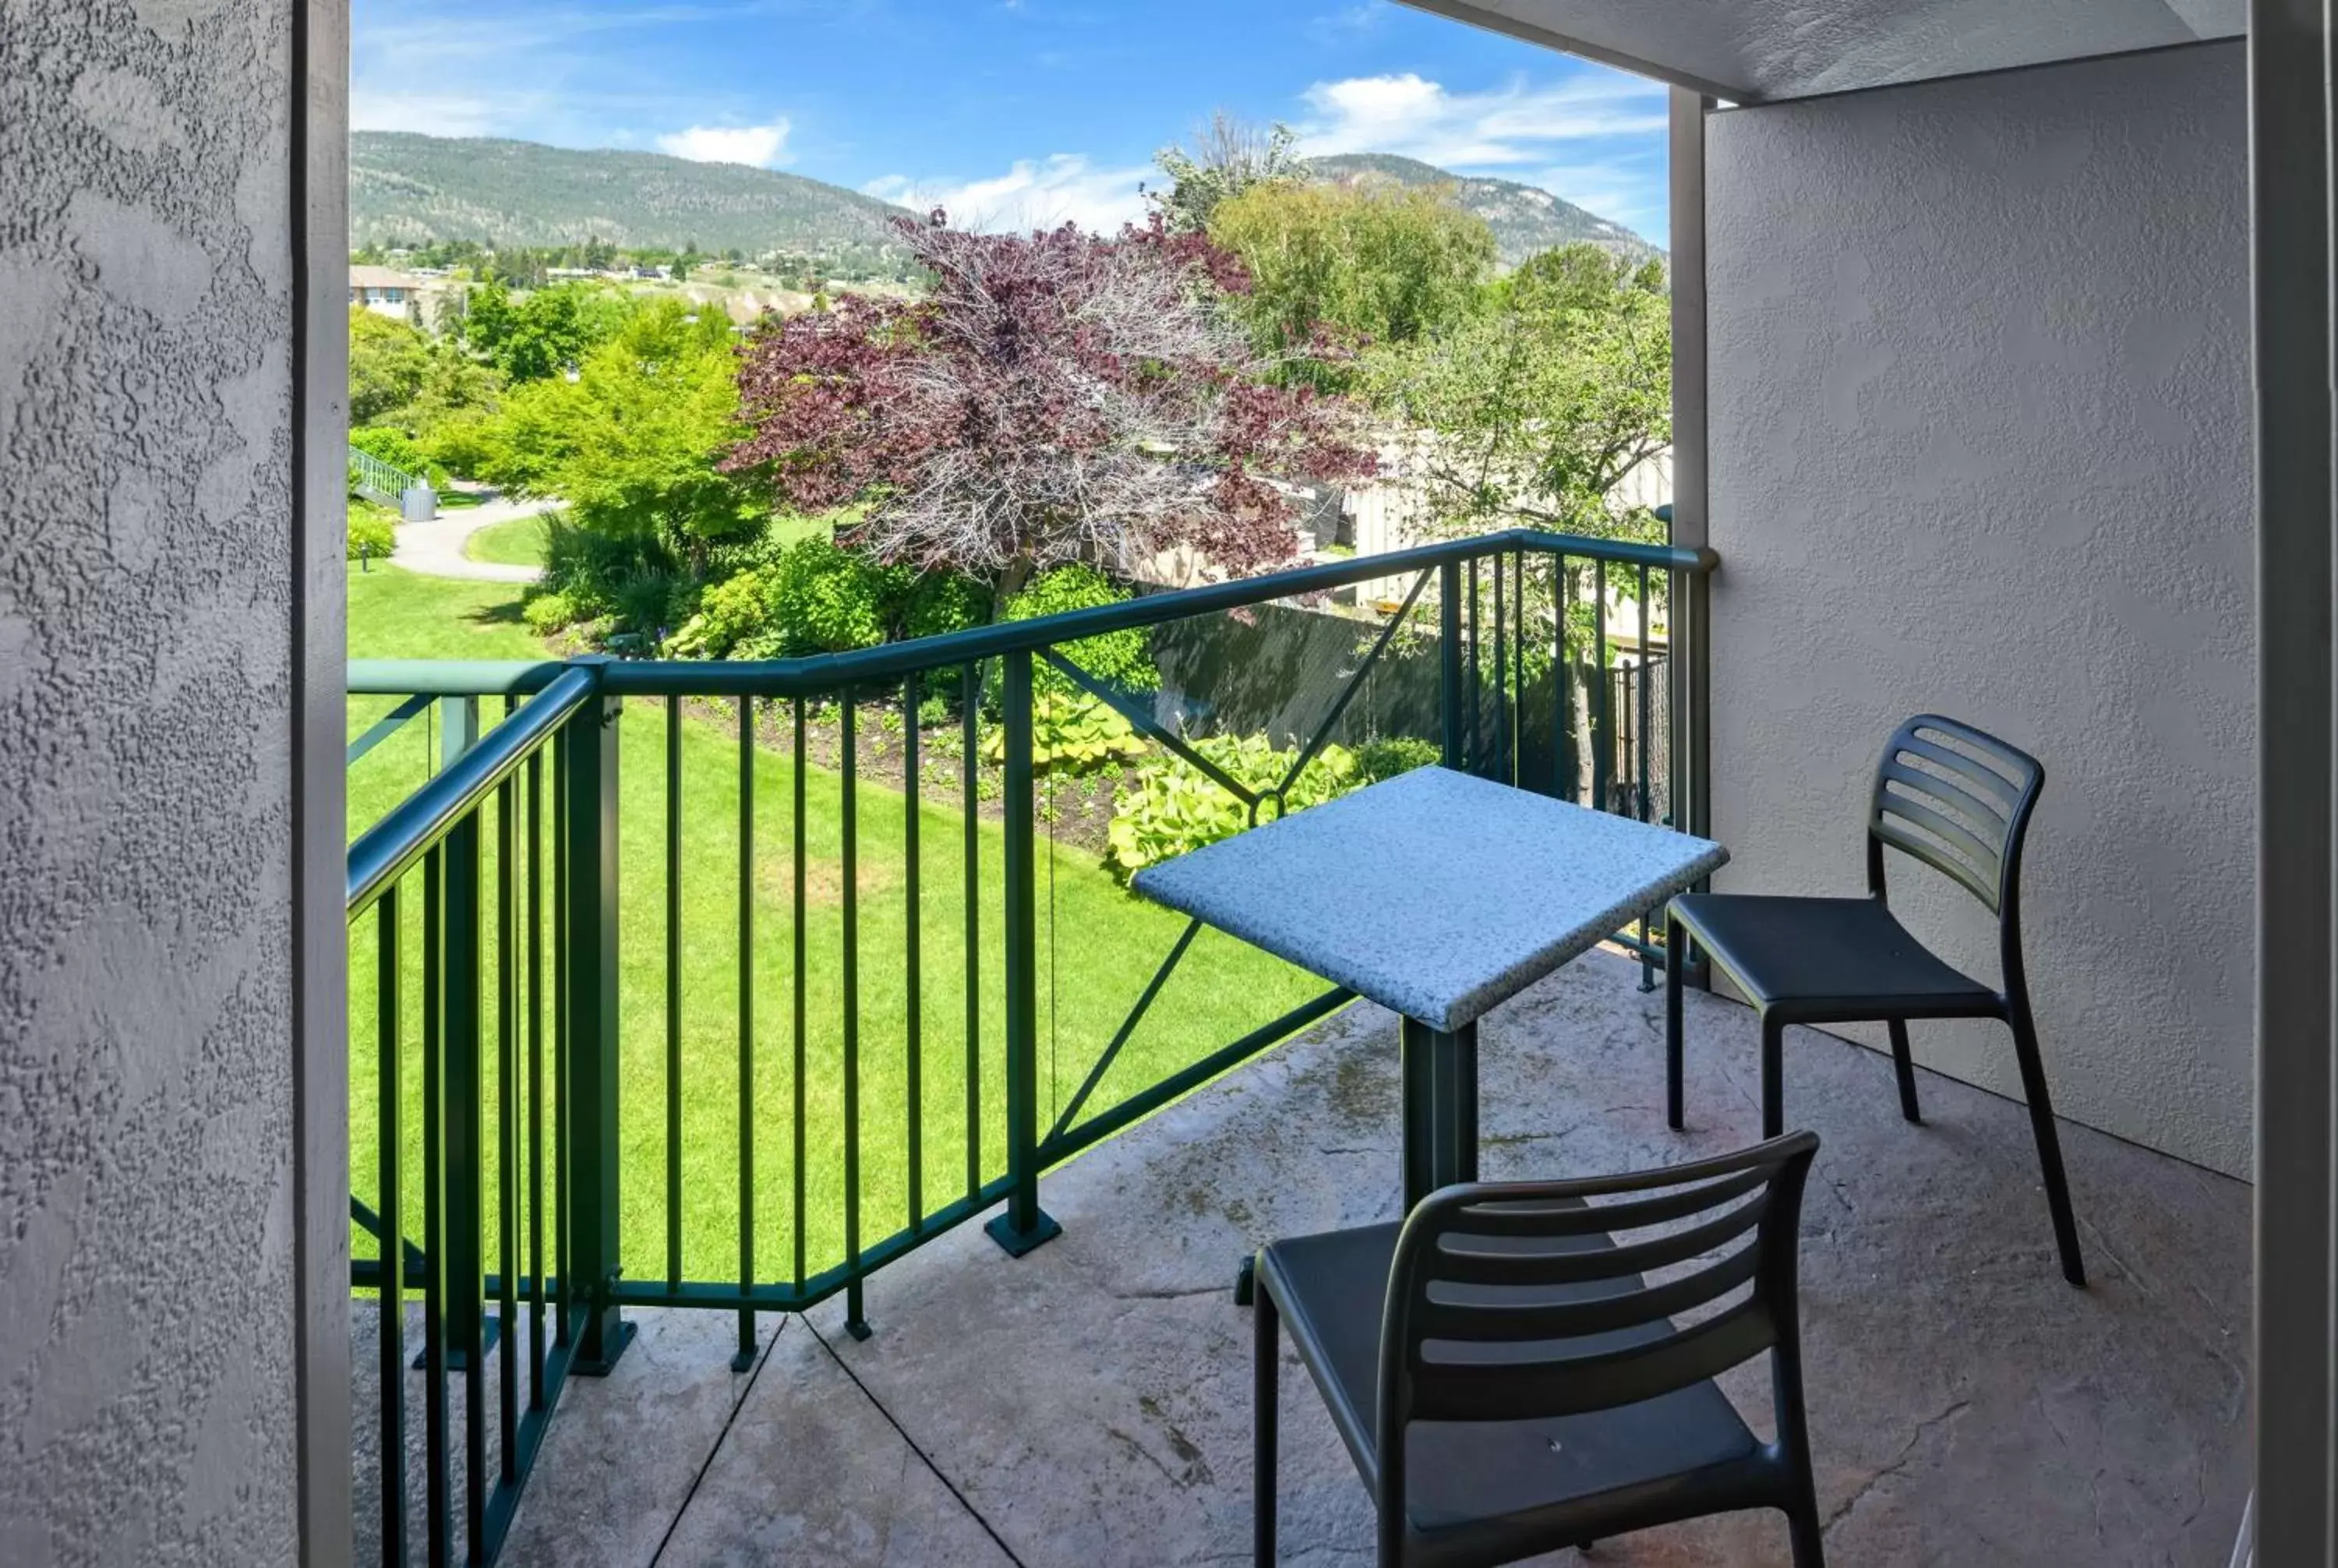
{"x": 387, "y": 292}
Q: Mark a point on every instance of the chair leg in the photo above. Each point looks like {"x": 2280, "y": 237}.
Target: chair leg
{"x": 1773, "y": 1076}
{"x": 1675, "y": 961}
{"x": 2049, "y": 1141}
{"x": 1904, "y": 1065}
{"x": 1262, "y": 1430}
{"x": 1803, "y": 1529}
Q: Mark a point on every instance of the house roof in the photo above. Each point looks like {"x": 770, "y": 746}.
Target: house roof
{"x": 383, "y": 277}
{"x": 1761, "y": 50}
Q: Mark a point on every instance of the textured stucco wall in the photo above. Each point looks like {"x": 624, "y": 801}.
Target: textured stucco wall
{"x": 146, "y": 1215}
{"x": 1980, "y": 443}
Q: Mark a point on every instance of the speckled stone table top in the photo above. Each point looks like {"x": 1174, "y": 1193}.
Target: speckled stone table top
{"x": 1434, "y": 894}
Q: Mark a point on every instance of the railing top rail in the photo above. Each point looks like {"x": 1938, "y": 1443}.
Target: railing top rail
{"x": 452, "y": 677}
{"x": 825, "y": 672}
{"x": 828, "y": 671}
{"x": 384, "y": 851}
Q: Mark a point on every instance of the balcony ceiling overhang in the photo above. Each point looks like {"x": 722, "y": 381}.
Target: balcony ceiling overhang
{"x": 1763, "y": 50}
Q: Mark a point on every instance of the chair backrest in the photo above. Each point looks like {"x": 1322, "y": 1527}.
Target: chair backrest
{"x": 1957, "y": 799}
{"x": 1525, "y": 1300}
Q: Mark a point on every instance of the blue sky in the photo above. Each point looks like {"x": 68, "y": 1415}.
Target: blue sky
{"x": 1008, "y": 112}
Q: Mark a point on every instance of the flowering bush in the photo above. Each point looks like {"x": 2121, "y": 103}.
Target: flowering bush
{"x": 1173, "y": 806}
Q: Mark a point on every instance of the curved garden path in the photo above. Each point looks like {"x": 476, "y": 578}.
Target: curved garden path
{"x": 435, "y": 548}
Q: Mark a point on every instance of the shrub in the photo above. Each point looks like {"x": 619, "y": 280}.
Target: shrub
{"x": 1395, "y": 754}
{"x": 371, "y": 532}
{"x": 652, "y": 602}
{"x": 1118, "y": 658}
{"x": 1072, "y": 733}
{"x": 942, "y": 602}
{"x": 399, "y": 450}
{"x": 594, "y": 568}
{"x": 827, "y": 599}
{"x": 1173, "y": 806}
{"x": 548, "y": 612}
{"x": 731, "y": 612}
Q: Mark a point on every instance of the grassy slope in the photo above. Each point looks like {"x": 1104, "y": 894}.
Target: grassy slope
{"x": 518, "y": 542}
{"x": 1098, "y": 947}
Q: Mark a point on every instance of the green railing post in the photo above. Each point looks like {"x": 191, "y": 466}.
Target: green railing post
{"x": 588, "y": 972}
{"x": 459, "y": 728}
{"x": 1450, "y": 679}
{"x": 460, "y": 938}
{"x": 1024, "y": 1225}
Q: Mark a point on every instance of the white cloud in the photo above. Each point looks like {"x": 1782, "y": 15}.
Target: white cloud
{"x": 1631, "y": 191}
{"x": 1417, "y": 118}
{"x": 1361, "y": 19}
{"x": 433, "y": 113}
{"x": 1064, "y": 188}
{"x": 762, "y": 146}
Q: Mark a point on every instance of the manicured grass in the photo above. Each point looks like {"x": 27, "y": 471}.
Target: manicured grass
{"x": 516, "y": 542}
{"x": 1098, "y": 948}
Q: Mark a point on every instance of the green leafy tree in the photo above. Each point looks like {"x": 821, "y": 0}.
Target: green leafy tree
{"x": 631, "y": 443}
{"x": 1369, "y": 264}
{"x": 1535, "y": 408}
{"x": 543, "y": 333}
{"x": 389, "y": 360}
{"x": 1229, "y": 157}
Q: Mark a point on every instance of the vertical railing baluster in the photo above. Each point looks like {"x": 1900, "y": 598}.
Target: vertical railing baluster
{"x": 1449, "y": 698}
{"x": 1640, "y": 767}
{"x": 1519, "y": 668}
{"x": 588, "y": 1140}
{"x": 745, "y": 1357}
{"x": 1602, "y": 732}
{"x": 507, "y": 1127}
{"x": 1024, "y": 1225}
{"x": 434, "y": 1177}
{"x": 536, "y": 1346}
{"x": 969, "y": 758}
{"x": 1472, "y": 760}
{"x": 914, "y": 1021}
{"x": 1563, "y": 680}
{"x": 803, "y": 766}
{"x": 674, "y": 994}
{"x": 1501, "y": 672}
{"x": 856, "y": 1320}
{"x": 389, "y": 1090}
{"x": 461, "y": 1151}
{"x": 563, "y": 1320}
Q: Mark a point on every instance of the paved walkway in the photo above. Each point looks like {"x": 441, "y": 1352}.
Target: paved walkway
{"x": 435, "y": 548}
{"x": 1088, "y": 1406}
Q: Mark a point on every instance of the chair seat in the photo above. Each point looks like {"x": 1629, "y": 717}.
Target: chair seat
{"x": 1826, "y": 960}
{"x": 1331, "y": 1290}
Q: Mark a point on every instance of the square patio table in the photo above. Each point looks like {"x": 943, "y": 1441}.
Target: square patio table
{"x": 1437, "y": 895}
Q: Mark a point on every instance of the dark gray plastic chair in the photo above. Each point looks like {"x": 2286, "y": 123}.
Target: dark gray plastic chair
{"x": 1509, "y": 1382}
{"x": 1956, "y": 800}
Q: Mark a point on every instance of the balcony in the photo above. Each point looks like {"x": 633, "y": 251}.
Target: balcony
{"x": 709, "y": 1144}
{"x": 1090, "y": 1403}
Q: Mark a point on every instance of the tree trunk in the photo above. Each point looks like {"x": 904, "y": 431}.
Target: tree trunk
{"x": 1010, "y": 583}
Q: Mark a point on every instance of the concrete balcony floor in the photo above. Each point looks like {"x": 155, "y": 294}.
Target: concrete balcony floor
{"x": 1090, "y": 1404}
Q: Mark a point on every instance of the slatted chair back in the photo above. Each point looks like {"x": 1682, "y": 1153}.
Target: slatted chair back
{"x": 1956, "y": 800}
{"x": 1530, "y": 1300}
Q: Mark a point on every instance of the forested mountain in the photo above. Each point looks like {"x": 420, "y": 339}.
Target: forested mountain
{"x": 406, "y": 189}
{"x": 1525, "y": 218}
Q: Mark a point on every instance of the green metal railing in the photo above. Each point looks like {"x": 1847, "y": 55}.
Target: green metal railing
{"x": 528, "y": 943}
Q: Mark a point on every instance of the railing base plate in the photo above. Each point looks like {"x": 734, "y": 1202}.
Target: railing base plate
{"x": 613, "y": 1344}
{"x": 1001, "y": 1229}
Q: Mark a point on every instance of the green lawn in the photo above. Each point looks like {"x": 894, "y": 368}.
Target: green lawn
{"x": 1098, "y": 947}
{"x": 518, "y": 542}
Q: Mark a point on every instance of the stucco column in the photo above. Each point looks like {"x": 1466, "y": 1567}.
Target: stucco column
{"x": 169, "y": 599}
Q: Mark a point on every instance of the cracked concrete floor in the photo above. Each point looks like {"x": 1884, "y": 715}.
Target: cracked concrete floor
{"x": 1089, "y": 1404}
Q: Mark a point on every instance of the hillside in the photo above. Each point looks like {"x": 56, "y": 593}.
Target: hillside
{"x": 1525, "y": 218}
{"x": 410, "y": 189}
